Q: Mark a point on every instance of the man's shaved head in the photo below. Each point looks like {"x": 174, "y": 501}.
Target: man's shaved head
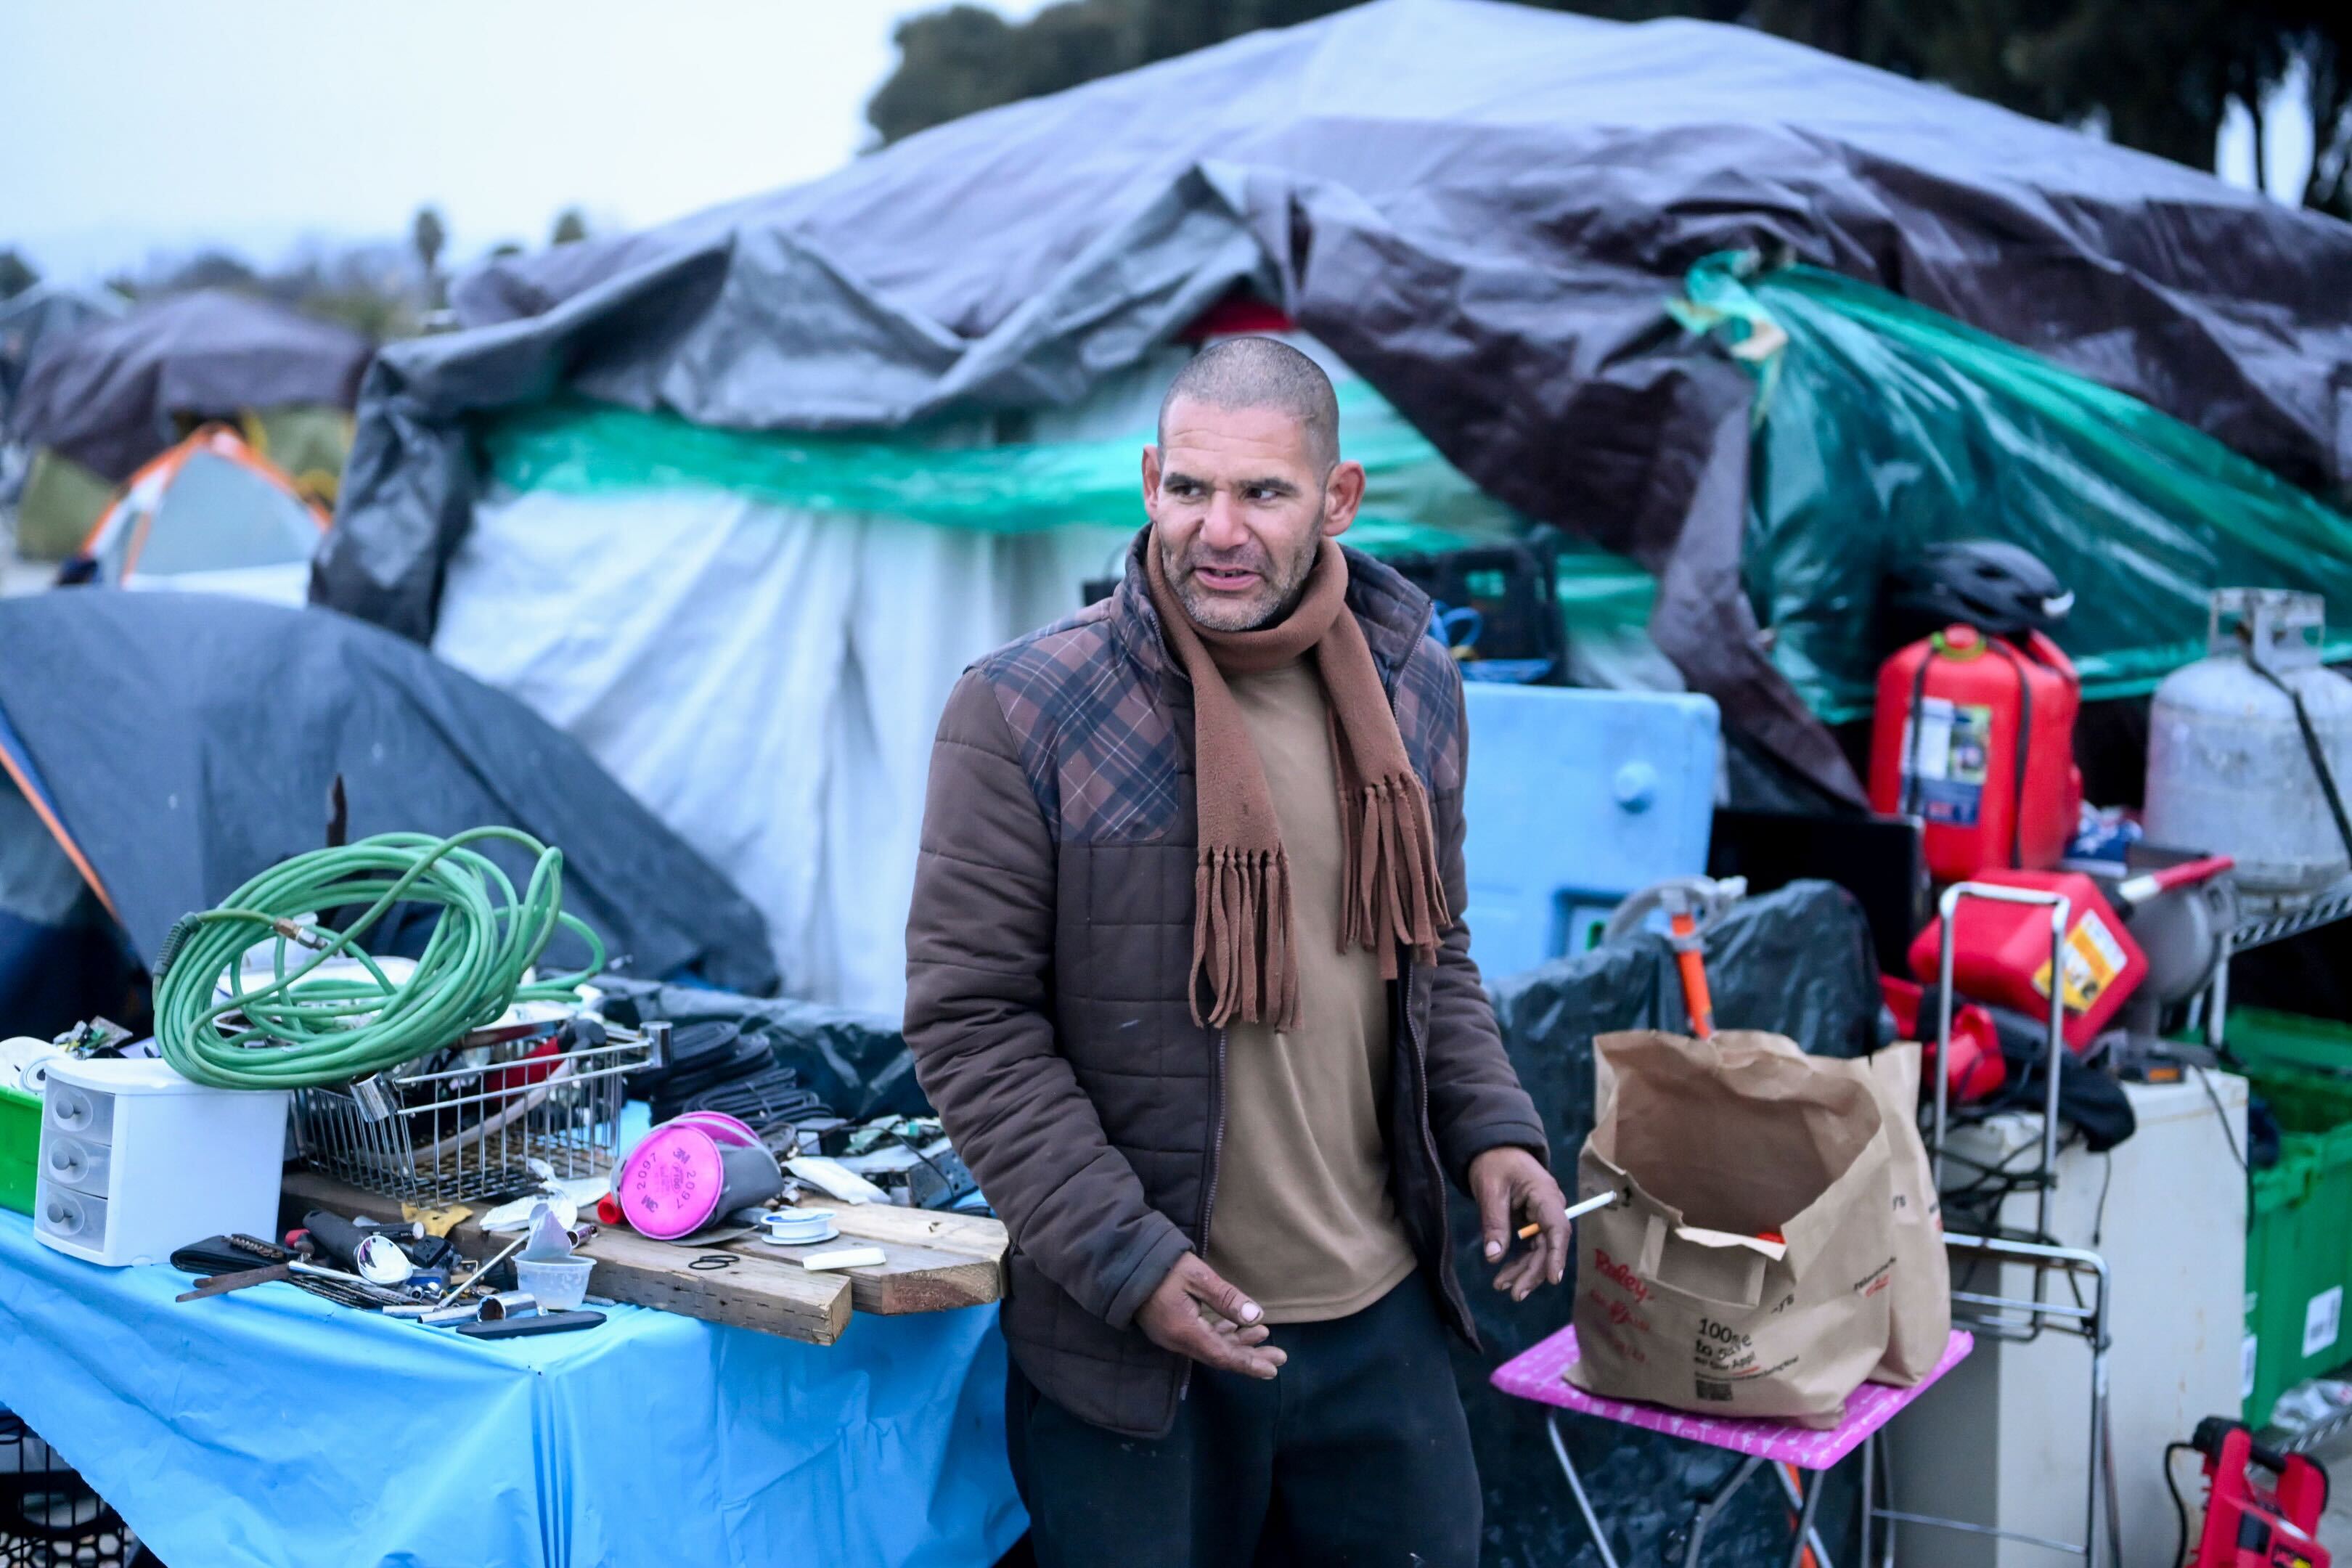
{"x": 1245, "y": 481}
{"x": 1259, "y": 372}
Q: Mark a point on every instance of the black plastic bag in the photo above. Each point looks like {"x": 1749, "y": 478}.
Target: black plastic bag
{"x": 857, "y": 1063}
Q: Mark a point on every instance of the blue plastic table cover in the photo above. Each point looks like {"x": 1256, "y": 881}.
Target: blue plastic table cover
{"x": 270, "y": 1428}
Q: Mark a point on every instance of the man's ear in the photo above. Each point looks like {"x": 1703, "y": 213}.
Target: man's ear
{"x": 1343, "y": 492}
{"x": 1151, "y": 481}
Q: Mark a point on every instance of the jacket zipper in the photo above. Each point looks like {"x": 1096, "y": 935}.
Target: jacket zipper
{"x": 1429, "y": 1143}
{"x": 1209, "y": 1195}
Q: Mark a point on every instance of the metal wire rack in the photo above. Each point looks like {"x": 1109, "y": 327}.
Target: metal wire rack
{"x": 49, "y": 1517}
{"x": 2084, "y": 1313}
{"x": 479, "y": 1119}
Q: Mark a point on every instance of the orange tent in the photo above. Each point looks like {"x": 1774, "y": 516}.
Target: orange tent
{"x": 209, "y": 514}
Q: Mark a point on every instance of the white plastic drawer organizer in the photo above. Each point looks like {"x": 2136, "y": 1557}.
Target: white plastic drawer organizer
{"x": 136, "y": 1160}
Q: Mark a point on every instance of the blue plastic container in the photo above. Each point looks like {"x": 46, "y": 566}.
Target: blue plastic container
{"x": 1577, "y": 798}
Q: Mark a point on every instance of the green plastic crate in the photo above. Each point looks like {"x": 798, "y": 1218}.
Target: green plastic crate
{"x": 2298, "y": 1257}
{"x": 20, "y": 1148}
{"x": 2263, "y": 1039}
{"x": 2299, "y": 1212}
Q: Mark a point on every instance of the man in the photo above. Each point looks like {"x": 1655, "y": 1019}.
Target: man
{"x": 1186, "y": 983}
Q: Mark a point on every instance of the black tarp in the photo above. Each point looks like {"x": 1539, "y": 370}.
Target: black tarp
{"x": 189, "y": 742}
{"x": 107, "y": 395}
{"x": 857, "y": 1063}
{"x": 1797, "y": 962}
{"x": 1480, "y": 207}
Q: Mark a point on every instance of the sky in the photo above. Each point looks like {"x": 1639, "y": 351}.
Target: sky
{"x": 137, "y": 126}
{"x": 140, "y": 127}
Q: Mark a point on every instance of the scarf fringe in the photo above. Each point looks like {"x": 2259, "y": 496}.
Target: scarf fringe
{"x": 1241, "y": 934}
{"x": 1392, "y": 878}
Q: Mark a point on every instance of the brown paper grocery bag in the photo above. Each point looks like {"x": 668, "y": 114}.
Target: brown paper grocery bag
{"x": 1919, "y": 1292}
{"x": 1920, "y": 1300}
{"x": 1749, "y": 1272}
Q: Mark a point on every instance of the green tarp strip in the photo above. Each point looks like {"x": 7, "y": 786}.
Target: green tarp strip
{"x": 1414, "y": 500}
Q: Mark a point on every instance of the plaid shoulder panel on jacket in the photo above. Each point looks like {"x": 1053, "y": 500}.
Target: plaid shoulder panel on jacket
{"x": 1428, "y": 703}
{"x": 1098, "y": 747}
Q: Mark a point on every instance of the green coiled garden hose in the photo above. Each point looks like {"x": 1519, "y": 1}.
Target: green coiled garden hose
{"x": 298, "y": 1030}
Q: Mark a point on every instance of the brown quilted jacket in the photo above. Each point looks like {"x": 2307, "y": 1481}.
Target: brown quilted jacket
{"x": 1047, "y": 956}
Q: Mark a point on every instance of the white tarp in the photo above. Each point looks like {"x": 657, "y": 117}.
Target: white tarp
{"x": 767, "y": 680}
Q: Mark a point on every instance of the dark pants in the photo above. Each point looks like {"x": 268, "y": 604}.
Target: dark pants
{"x": 1356, "y": 1453}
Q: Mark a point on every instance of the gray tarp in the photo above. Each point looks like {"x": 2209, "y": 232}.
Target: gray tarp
{"x": 42, "y": 314}
{"x": 105, "y": 396}
{"x": 1480, "y": 207}
{"x": 189, "y": 742}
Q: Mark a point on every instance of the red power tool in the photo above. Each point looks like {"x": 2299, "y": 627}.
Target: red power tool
{"x": 2245, "y": 1525}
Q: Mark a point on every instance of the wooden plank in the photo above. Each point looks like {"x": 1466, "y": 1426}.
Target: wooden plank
{"x": 935, "y": 1261}
{"x": 909, "y": 1279}
{"x": 769, "y": 1295}
{"x": 976, "y": 1235}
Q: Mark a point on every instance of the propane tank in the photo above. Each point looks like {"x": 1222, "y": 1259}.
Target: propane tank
{"x": 1975, "y": 734}
{"x": 2228, "y": 768}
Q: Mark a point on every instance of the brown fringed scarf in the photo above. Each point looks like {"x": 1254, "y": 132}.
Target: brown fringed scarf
{"x": 1243, "y": 946}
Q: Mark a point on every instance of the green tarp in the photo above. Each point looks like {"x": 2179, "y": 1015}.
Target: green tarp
{"x": 1883, "y": 426}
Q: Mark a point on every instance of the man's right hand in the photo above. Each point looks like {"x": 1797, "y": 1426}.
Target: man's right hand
{"x": 1196, "y": 1313}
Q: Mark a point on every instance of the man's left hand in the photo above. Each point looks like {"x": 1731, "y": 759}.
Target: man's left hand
{"x": 1512, "y": 1188}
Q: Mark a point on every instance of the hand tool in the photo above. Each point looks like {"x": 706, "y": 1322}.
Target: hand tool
{"x": 542, "y": 1323}
{"x": 221, "y": 1284}
{"x": 367, "y": 1290}
{"x": 2247, "y": 1523}
{"x": 483, "y": 1273}
{"x": 456, "y": 1312}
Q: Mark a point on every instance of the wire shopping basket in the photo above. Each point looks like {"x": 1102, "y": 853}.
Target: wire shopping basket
{"x": 496, "y": 1113}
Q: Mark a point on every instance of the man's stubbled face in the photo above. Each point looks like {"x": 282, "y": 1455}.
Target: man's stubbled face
{"x": 1239, "y": 506}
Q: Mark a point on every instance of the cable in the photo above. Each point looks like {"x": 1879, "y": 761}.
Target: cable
{"x": 298, "y": 1030}
{"x": 2180, "y": 1509}
{"x": 2205, "y": 1081}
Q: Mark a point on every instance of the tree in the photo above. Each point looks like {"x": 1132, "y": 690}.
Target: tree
{"x": 208, "y": 269}
{"x": 16, "y": 275}
{"x": 570, "y": 228}
{"x": 428, "y": 235}
{"x": 2157, "y": 75}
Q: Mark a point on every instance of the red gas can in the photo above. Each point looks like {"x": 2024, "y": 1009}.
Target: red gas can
{"x": 2002, "y": 952}
{"x": 1975, "y": 734}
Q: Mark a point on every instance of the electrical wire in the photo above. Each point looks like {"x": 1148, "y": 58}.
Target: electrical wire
{"x": 301, "y": 1029}
{"x": 2205, "y": 1081}
{"x": 2180, "y": 1509}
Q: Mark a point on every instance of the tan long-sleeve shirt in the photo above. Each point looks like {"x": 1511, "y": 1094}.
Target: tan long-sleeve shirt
{"x": 1304, "y": 1221}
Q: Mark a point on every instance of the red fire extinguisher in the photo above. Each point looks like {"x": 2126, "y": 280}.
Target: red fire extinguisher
{"x": 1976, "y": 736}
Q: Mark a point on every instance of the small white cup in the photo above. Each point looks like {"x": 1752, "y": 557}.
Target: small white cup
{"x": 558, "y": 1284}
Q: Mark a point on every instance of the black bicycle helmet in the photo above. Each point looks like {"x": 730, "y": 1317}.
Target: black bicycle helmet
{"x": 1989, "y": 583}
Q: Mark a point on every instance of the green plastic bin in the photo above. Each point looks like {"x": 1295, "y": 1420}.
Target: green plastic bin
{"x": 2298, "y": 1258}
{"x": 20, "y": 1148}
{"x": 2299, "y": 1212}
{"x": 2265, "y": 1040}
